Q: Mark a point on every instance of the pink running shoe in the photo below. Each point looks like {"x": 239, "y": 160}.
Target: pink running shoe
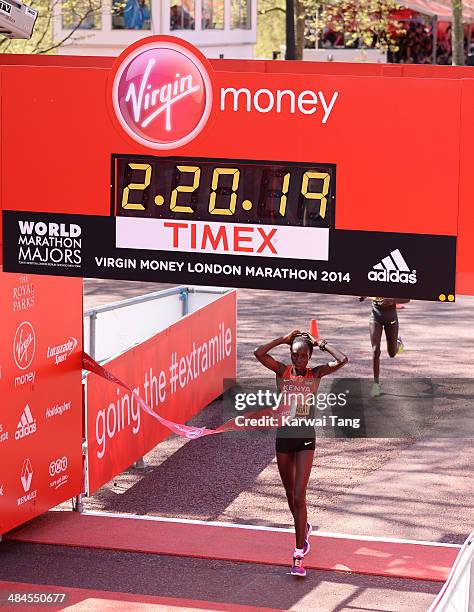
{"x": 297, "y": 568}
{"x": 306, "y": 545}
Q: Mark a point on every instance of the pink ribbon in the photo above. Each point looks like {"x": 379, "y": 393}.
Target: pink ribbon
{"x": 186, "y": 431}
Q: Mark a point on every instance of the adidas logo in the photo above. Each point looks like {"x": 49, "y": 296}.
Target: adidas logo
{"x": 393, "y": 269}
{"x": 26, "y": 425}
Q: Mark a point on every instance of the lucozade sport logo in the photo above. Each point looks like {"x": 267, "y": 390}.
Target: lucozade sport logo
{"x": 162, "y": 94}
{"x": 62, "y": 351}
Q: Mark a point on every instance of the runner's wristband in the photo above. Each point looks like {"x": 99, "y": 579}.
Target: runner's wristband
{"x": 322, "y": 345}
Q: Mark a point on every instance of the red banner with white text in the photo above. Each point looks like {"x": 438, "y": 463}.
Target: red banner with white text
{"x": 40, "y": 395}
{"x": 177, "y": 372}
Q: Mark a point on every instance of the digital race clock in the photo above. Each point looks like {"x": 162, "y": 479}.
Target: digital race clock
{"x": 216, "y": 190}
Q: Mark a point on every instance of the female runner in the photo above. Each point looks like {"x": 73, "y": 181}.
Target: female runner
{"x": 295, "y": 444}
{"x": 383, "y": 317}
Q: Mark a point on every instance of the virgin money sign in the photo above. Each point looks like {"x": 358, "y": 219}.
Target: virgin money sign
{"x": 177, "y": 372}
{"x": 238, "y": 173}
{"x": 161, "y": 93}
{"x": 40, "y": 395}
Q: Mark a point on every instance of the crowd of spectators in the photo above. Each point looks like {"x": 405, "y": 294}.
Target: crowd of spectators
{"x": 415, "y": 46}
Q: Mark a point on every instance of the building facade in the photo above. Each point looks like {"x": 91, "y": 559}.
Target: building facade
{"x": 225, "y": 28}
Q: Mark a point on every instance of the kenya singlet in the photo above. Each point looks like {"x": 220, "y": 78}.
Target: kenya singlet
{"x": 298, "y": 397}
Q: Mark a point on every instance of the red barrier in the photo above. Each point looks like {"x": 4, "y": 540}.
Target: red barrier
{"x": 269, "y": 66}
{"x": 177, "y": 372}
{"x": 41, "y": 395}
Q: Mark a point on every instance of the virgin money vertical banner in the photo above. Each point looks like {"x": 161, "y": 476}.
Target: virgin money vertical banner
{"x": 177, "y": 372}
{"x": 40, "y": 394}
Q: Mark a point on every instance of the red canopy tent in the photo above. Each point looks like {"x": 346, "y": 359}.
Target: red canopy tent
{"x": 441, "y": 10}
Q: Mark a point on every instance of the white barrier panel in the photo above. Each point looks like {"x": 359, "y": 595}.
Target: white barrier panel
{"x": 374, "y": 56}
{"x": 457, "y": 594}
{"x": 87, "y": 334}
{"x": 111, "y": 329}
{"x": 121, "y": 328}
{"x": 202, "y": 296}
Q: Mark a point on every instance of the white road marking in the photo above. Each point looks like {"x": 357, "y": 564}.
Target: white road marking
{"x": 327, "y": 534}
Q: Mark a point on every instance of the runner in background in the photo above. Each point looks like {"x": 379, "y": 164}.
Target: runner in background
{"x": 383, "y": 318}
{"x": 295, "y": 444}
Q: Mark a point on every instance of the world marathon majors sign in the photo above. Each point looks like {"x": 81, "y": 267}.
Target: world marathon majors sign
{"x": 357, "y": 263}
{"x": 244, "y": 223}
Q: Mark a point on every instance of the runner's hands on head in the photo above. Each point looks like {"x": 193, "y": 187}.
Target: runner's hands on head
{"x": 315, "y": 341}
{"x": 290, "y": 336}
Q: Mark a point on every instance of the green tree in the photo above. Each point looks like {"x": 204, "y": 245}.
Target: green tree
{"x": 76, "y": 15}
{"x": 270, "y": 27}
{"x": 367, "y": 22}
{"x": 300, "y": 27}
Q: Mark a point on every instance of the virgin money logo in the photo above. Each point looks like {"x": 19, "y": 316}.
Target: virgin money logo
{"x": 162, "y": 94}
{"x": 24, "y": 345}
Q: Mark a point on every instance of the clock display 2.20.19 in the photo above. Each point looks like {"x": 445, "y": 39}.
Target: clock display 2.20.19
{"x": 235, "y": 191}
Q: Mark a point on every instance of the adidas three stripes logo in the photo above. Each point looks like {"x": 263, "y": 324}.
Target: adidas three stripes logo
{"x": 393, "y": 269}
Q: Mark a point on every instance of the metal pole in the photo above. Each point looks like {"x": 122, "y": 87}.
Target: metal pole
{"x": 290, "y": 31}
{"x": 457, "y": 34}
{"x": 470, "y": 594}
{"x": 77, "y": 504}
{"x": 435, "y": 37}
{"x": 214, "y": 290}
{"x": 140, "y": 299}
{"x": 92, "y": 337}
{"x": 184, "y": 297}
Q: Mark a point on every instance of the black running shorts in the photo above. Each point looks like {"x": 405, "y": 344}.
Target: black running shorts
{"x": 294, "y": 445}
{"x": 385, "y": 316}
